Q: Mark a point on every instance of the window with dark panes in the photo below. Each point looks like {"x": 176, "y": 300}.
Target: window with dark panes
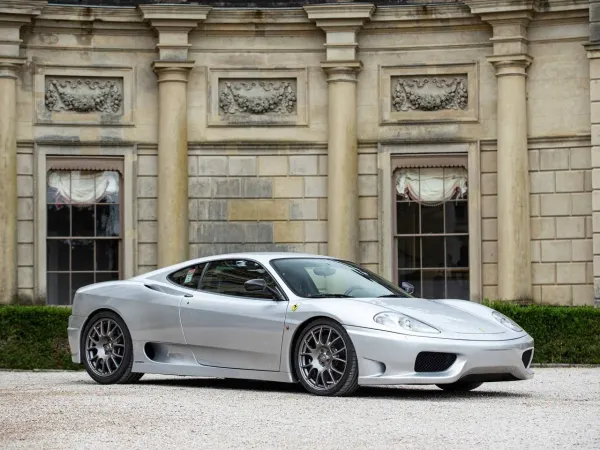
{"x": 83, "y": 231}
{"x": 432, "y": 231}
{"x": 227, "y": 277}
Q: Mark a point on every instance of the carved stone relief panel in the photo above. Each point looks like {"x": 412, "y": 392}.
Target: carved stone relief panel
{"x": 84, "y": 95}
{"x": 261, "y": 97}
{"x": 428, "y": 93}
{"x": 257, "y": 97}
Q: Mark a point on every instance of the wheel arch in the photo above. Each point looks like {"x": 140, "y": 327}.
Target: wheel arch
{"x": 296, "y": 335}
{"x": 91, "y": 315}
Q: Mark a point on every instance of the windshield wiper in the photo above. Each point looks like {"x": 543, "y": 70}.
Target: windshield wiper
{"x": 330, "y": 295}
{"x": 391, "y": 295}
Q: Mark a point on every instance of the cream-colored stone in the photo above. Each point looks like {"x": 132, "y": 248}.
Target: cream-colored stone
{"x": 489, "y": 229}
{"x": 322, "y": 206}
{"x": 581, "y": 204}
{"x": 543, "y": 273}
{"x": 543, "y": 228}
{"x": 534, "y": 159}
{"x": 369, "y": 253}
{"x": 582, "y": 250}
{"x": 571, "y": 181}
{"x": 489, "y": 184}
{"x": 285, "y": 232}
{"x": 272, "y": 165}
{"x": 488, "y": 162}
{"x": 368, "y": 230}
{"x": 25, "y": 209}
{"x": 581, "y": 158}
{"x": 242, "y": 209}
{"x": 556, "y": 159}
{"x": 367, "y": 185}
{"x": 315, "y": 186}
{"x": 315, "y": 231}
{"x": 489, "y": 252}
{"x": 278, "y": 209}
{"x": 489, "y": 206}
{"x": 542, "y": 182}
{"x": 570, "y": 227}
{"x": 583, "y": 295}
{"x": 490, "y": 274}
{"x": 490, "y": 292}
{"x": 147, "y": 232}
{"x": 367, "y": 164}
{"x": 24, "y": 164}
{"x": 556, "y": 251}
{"x": 557, "y": 295}
{"x": 571, "y": 273}
{"x": 536, "y": 251}
{"x": 25, "y": 255}
{"x": 25, "y": 232}
{"x": 367, "y": 208}
{"x": 242, "y": 165}
{"x": 288, "y": 187}
{"x": 535, "y": 205}
{"x": 555, "y": 204}
{"x": 147, "y": 254}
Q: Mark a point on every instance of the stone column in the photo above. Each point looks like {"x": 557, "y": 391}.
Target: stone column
{"x": 13, "y": 15}
{"x": 8, "y": 174}
{"x": 341, "y": 23}
{"x": 173, "y": 24}
{"x": 509, "y": 21}
{"x": 173, "y": 214}
{"x": 593, "y": 53}
{"x": 514, "y": 257}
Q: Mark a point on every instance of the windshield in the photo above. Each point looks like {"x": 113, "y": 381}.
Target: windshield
{"x": 319, "y": 277}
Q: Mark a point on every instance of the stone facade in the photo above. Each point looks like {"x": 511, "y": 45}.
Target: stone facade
{"x": 242, "y": 129}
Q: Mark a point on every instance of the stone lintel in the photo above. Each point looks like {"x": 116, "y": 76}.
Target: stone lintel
{"x": 175, "y": 13}
{"x": 592, "y": 49}
{"x": 25, "y": 8}
{"x": 481, "y": 7}
{"x": 339, "y": 12}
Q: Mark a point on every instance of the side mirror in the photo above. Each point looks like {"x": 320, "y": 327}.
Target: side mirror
{"x": 407, "y": 287}
{"x": 258, "y": 285}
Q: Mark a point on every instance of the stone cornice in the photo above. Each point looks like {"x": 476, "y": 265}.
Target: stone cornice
{"x": 501, "y": 6}
{"x": 334, "y": 17}
{"x": 174, "y": 13}
{"x": 25, "y": 7}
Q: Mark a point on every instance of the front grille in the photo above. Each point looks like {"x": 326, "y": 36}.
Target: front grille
{"x": 526, "y": 357}
{"x": 434, "y": 361}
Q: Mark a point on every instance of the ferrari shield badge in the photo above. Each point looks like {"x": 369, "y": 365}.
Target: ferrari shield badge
{"x": 294, "y": 307}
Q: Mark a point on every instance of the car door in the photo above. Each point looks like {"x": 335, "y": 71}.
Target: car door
{"x": 225, "y": 326}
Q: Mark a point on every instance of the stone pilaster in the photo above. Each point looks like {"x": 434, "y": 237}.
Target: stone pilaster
{"x": 13, "y": 15}
{"x": 509, "y": 20}
{"x": 341, "y": 24}
{"x": 593, "y": 53}
{"x": 173, "y": 24}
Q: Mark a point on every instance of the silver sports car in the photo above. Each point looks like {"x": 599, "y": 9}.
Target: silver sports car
{"x": 326, "y": 323}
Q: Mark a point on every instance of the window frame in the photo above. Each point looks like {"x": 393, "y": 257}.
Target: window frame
{"x": 388, "y": 154}
{"x": 442, "y": 162}
{"x": 55, "y": 163}
{"x": 199, "y": 289}
{"x": 170, "y": 275}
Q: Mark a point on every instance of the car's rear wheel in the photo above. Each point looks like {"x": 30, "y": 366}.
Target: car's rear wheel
{"x": 325, "y": 359}
{"x": 108, "y": 350}
{"x": 459, "y": 386}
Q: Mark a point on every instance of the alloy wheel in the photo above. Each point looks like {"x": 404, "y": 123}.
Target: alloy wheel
{"x": 105, "y": 347}
{"x": 323, "y": 357}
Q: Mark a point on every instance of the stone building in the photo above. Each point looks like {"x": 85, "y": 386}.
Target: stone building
{"x": 451, "y": 144}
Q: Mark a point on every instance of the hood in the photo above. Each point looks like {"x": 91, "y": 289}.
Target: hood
{"x": 441, "y": 316}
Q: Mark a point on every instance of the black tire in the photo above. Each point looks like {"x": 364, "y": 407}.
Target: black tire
{"x": 348, "y": 383}
{"x": 459, "y": 386}
{"x": 123, "y": 373}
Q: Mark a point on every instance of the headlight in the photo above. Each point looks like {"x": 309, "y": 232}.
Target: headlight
{"x": 401, "y": 322}
{"x": 506, "y": 321}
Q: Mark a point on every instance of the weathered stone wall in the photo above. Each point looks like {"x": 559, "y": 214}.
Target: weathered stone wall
{"x": 25, "y": 223}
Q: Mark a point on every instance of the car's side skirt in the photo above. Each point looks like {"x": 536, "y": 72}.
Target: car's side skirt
{"x": 197, "y": 370}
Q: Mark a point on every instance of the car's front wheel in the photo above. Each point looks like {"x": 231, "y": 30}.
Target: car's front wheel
{"x": 325, "y": 359}
{"x": 108, "y": 350}
{"x": 459, "y": 386}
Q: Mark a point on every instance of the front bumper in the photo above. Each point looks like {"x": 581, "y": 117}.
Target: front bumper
{"x": 74, "y": 332}
{"x": 389, "y": 358}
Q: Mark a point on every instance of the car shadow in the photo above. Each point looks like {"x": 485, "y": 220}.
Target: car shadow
{"x": 404, "y": 392}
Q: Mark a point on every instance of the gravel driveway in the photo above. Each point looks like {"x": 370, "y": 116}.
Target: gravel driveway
{"x": 559, "y": 408}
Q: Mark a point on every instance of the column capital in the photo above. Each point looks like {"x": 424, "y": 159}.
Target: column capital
{"x": 172, "y": 70}
{"x": 9, "y": 67}
{"x": 510, "y": 64}
{"x": 345, "y": 71}
{"x": 341, "y": 23}
{"x": 173, "y": 24}
{"x": 13, "y": 15}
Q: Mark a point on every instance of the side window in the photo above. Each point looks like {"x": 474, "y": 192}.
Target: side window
{"x": 228, "y": 277}
{"x": 188, "y": 277}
